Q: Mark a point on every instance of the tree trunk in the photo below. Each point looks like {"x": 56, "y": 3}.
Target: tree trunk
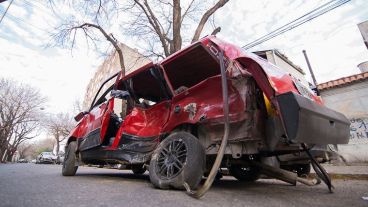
{"x": 2, "y": 155}
{"x": 57, "y": 141}
{"x": 176, "y": 43}
{"x": 9, "y": 155}
{"x": 57, "y": 148}
{"x": 2, "y": 151}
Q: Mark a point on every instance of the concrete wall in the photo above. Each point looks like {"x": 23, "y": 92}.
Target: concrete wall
{"x": 352, "y": 100}
{"x": 133, "y": 60}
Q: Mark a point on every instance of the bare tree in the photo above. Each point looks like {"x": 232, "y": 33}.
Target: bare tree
{"x": 66, "y": 36}
{"x": 77, "y": 107}
{"x": 59, "y": 126}
{"x": 154, "y": 22}
{"x": 163, "y": 21}
{"x": 19, "y": 115}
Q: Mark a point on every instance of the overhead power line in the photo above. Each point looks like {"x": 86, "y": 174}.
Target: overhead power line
{"x": 24, "y": 22}
{"x": 297, "y": 22}
{"x": 6, "y": 10}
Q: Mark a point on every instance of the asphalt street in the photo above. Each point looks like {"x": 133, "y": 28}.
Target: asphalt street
{"x": 42, "y": 185}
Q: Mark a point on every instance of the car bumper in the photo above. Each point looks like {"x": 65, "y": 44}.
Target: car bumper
{"x": 308, "y": 122}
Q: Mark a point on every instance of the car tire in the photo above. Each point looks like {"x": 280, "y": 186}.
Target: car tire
{"x": 69, "y": 168}
{"x": 247, "y": 174}
{"x": 138, "y": 169}
{"x": 179, "y": 159}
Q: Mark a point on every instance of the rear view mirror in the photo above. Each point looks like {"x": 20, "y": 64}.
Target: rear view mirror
{"x": 80, "y": 116}
{"x": 119, "y": 94}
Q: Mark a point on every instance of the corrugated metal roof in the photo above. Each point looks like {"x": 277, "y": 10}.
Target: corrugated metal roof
{"x": 343, "y": 81}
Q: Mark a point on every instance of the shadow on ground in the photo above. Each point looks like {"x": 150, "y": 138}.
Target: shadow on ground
{"x": 227, "y": 183}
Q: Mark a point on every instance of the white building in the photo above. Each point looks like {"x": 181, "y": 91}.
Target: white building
{"x": 277, "y": 58}
{"x": 349, "y": 95}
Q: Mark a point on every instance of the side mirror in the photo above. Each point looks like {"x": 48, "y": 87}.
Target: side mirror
{"x": 80, "y": 116}
{"x": 120, "y": 94}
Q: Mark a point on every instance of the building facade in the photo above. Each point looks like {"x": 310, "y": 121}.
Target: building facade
{"x": 277, "y": 58}
{"x": 133, "y": 60}
{"x": 349, "y": 95}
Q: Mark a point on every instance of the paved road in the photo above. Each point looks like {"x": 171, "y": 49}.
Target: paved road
{"x": 42, "y": 185}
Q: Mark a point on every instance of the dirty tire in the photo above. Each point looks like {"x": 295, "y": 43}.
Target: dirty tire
{"x": 179, "y": 158}
{"x": 138, "y": 169}
{"x": 69, "y": 168}
{"x": 247, "y": 174}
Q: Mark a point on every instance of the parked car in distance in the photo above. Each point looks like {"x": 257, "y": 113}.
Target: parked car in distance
{"x": 46, "y": 158}
{"x": 170, "y": 116}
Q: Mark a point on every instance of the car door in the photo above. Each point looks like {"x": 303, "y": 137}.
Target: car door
{"x": 97, "y": 118}
{"x": 151, "y": 104}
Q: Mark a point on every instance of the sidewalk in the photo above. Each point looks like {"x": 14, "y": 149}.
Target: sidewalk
{"x": 352, "y": 172}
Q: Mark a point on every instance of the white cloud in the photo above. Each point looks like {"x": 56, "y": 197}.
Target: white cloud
{"x": 332, "y": 41}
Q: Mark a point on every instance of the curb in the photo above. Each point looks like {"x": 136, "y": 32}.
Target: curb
{"x": 336, "y": 176}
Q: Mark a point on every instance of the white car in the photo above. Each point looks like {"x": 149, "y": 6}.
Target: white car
{"x": 46, "y": 157}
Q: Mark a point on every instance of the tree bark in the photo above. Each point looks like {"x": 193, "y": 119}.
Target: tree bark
{"x": 57, "y": 144}
{"x": 9, "y": 155}
{"x": 177, "y": 41}
{"x": 2, "y": 155}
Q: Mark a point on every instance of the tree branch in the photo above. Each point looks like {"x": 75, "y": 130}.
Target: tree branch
{"x": 205, "y": 17}
{"x": 109, "y": 38}
{"x": 154, "y": 23}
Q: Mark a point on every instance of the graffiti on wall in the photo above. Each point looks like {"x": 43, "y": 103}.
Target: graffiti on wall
{"x": 359, "y": 128}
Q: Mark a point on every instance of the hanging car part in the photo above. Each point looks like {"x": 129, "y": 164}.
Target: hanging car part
{"x": 211, "y": 177}
{"x": 320, "y": 171}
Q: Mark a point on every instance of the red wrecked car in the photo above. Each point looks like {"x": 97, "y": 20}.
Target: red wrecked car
{"x": 210, "y": 104}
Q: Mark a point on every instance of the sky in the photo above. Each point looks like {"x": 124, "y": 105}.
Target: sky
{"x": 332, "y": 41}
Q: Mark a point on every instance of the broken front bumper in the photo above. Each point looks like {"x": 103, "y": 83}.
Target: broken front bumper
{"x": 308, "y": 122}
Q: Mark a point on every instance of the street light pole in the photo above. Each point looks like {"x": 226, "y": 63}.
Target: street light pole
{"x": 311, "y": 71}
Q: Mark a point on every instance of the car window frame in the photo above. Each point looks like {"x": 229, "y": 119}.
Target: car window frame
{"x": 94, "y": 102}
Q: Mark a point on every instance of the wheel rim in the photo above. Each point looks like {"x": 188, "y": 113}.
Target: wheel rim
{"x": 171, "y": 159}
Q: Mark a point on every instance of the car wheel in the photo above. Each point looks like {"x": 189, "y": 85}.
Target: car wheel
{"x": 138, "y": 169}
{"x": 179, "y": 159}
{"x": 248, "y": 173}
{"x": 69, "y": 168}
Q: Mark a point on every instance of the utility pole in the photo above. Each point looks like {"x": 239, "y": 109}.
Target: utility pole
{"x": 7, "y": 8}
{"x": 311, "y": 71}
